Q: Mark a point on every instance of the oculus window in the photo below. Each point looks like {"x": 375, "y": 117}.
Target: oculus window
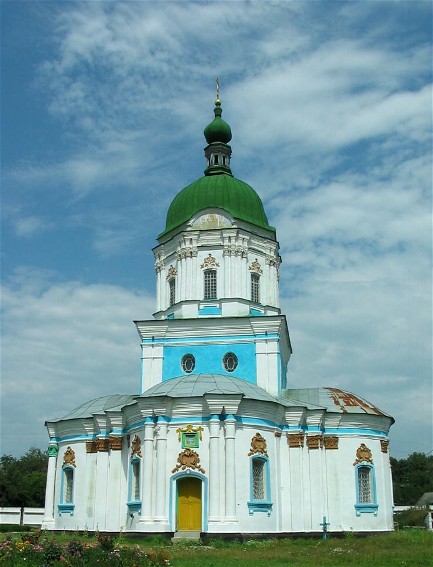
{"x": 230, "y": 362}
{"x": 188, "y": 363}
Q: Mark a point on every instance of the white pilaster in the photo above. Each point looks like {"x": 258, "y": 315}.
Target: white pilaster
{"x": 101, "y": 485}
{"x": 214, "y": 479}
{"x": 147, "y": 464}
{"x": 230, "y": 464}
{"x": 161, "y": 515}
{"x": 48, "y": 521}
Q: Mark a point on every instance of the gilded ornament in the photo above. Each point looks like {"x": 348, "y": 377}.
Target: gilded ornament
{"x": 331, "y": 442}
{"x": 188, "y": 459}
{"x": 314, "y": 441}
{"x": 189, "y": 429}
{"x": 91, "y": 447}
{"x": 172, "y": 272}
{"x": 258, "y": 445}
{"x": 102, "y": 445}
{"x": 255, "y": 267}
{"x": 295, "y": 439}
{"x": 115, "y": 443}
{"x": 209, "y": 262}
{"x": 69, "y": 458}
{"x": 384, "y": 445}
{"x": 136, "y": 447}
{"x": 363, "y": 455}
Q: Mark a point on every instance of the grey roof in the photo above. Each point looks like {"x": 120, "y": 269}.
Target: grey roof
{"x": 197, "y": 385}
{"x": 98, "y": 405}
{"x": 426, "y": 499}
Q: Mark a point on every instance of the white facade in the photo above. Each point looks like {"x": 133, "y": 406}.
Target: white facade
{"x": 215, "y": 441}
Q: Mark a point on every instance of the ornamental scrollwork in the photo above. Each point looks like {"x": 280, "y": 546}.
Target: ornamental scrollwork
{"x": 69, "y": 458}
{"x": 189, "y": 429}
{"x": 258, "y": 445}
{"x": 255, "y": 267}
{"x": 136, "y": 447}
{"x": 363, "y": 455}
{"x": 209, "y": 262}
{"x": 384, "y": 445}
{"x": 188, "y": 459}
{"x": 295, "y": 439}
{"x": 172, "y": 272}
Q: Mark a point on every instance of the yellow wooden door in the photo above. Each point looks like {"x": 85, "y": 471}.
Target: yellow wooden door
{"x": 189, "y": 504}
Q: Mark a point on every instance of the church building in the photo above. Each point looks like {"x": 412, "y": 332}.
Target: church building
{"x": 217, "y": 441}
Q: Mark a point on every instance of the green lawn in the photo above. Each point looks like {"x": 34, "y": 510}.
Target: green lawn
{"x": 408, "y": 548}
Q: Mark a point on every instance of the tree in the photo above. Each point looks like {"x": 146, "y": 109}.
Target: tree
{"x": 411, "y": 478}
{"x": 22, "y": 480}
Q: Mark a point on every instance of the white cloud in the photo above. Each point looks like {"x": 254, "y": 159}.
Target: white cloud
{"x": 63, "y": 344}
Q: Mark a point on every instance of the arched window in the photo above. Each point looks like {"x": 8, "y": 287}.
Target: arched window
{"x": 260, "y": 493}
{"x": 255, "y": 288}
{"x": 210, "y": 284}
{"x": 134, "y": 495}
{"x": 172, "y": 289}
{"x": 365, "y": 489}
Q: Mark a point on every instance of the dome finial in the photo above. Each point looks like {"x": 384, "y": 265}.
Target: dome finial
{"x": 218, "y": 100}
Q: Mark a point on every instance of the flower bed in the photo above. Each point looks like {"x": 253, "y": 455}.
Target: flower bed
{"x": 37, "y": 551}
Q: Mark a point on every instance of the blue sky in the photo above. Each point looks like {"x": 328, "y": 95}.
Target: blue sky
{"x": 103, "y": 109}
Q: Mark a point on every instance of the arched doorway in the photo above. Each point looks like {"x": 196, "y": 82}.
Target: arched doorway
{"x": 189, "y": 504}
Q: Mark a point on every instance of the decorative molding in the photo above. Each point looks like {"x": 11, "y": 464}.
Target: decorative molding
{"x": 277, "y": 434}
{"x": 69, "y": 458}
{"x": 188, "y": 459}
{"x": 314, "y": 441}
{"x": 189, "y": 429}
{"x": 53, "y": 450}
{"x": 331, "y": 442}
{"x": 159, "y": 264}
{"x": 273, "y": 261}
{"x": 115, "y": 443}
{"x": 172, "y": 272}
{"x": 136, "y": 447}
{"x": 258, "y": 445}
{"x": 91, "y": 447}
{"x": 295, "y": 439}
{"x": 103, "y": 445}
{"x": 209, "y": 262}
{"x": 255, "y": 267}
{"x": 363, "y": 455}
{"x": 186, "y": 252}
{"x": 384, "y": 445}
{"x": 235, "y": 250}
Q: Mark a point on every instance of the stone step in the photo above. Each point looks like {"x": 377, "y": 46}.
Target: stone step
{"x": 190, "y": 535}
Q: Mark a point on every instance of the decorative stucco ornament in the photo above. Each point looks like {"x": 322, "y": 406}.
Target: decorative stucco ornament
{"x": 258, "y": 445}
{"x": 136, "y": 447}
{"x": 53, "y": 450}
{"x": 69, "y": 458}
{"x": 209, "y": 262}
{"x": 188, "y": 459}
{"x": 256, "y": 267}
{"x": 172, "y": 272}
{"x": 363, "y": 455}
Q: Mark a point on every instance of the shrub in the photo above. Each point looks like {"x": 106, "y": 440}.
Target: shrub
{"x": 412, "y": 517}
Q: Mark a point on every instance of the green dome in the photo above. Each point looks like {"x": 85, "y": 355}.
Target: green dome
{"x": 217, "y": 192}
{"x": 218, "y": 130}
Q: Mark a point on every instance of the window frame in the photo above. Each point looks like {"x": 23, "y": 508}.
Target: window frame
{"x": 210, "y": 290}
{"x": 183, "y": 360}
{"x": 235, "y": 359}
{"x": 255, "y": 287}
{"x": 66, "y": 504}
{"x": 360, "y": 506}
{"x": 134, "y": 485}
{"x": 171, "y": 292}
{"x": 260, "y": 504}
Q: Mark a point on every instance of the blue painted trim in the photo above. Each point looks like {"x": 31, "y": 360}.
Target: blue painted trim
{"x": 173, "y": 498}
{"x": 256, "y": 312}
{"x": 209, "y": 310}
{"x": 358, "y": 430}
{"x": 264, "y": 505}
{"x": 66, "y": 509}
{"x": 366, "y": 507}
{"x": 134, "y": 506}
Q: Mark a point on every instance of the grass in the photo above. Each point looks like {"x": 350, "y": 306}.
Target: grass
{"x": 406, "y": 548}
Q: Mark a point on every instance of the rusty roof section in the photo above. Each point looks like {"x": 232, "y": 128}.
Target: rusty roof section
{"x": 347, "y": 402}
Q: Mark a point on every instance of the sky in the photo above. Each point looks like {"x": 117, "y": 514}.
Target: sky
{"x": 103, "y": 109}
